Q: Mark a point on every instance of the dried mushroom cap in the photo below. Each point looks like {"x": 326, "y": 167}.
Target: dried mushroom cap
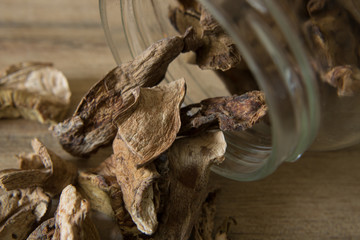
{"x": 34, "y": 91}
{"x": 232, "y": 113}
{"x": 44, "y": 231}
{"x": 153, "y": 125}
{"x": 91, "y": 126}
{"x": 136, "y": 186}
{"x": 72, "y": 220}
{"x": 189, "y": 159}
{"x": 53, "y": 174}
{"x": 20, "y": 210}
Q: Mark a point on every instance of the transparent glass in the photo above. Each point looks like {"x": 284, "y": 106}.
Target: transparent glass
{"x": 304, "y": 112}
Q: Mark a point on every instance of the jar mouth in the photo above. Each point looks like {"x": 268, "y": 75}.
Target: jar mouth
{"x": 289, "y": 85}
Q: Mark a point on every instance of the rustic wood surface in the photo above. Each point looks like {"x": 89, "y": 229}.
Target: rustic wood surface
{"x": 317, "y": 197}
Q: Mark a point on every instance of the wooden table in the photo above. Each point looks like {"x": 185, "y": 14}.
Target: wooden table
{"x": 317, "y": 197}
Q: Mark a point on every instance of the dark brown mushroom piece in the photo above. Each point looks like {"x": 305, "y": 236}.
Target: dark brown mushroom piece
{"x": 91, "y": 126}
{"x": 231, "y": 113}
{"x": 189, "y": 160}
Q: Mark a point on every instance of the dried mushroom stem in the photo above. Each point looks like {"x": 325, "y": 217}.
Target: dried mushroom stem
{"x": 43, "y": 169}
{"x": 35, "y": 91}
{"x": 189, "y": 159}
{"x": 204, "y": 227}
{"x": 232, "y": 113}
{"x": 20, "y": 210}
{"x": 91, "y": 126}
{"x": 72, "y": 220}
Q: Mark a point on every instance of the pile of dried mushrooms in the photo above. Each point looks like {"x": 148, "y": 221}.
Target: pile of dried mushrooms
{"x": 155, "y": 183}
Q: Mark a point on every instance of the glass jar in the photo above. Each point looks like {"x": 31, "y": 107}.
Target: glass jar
{"x": 280, "y": 46}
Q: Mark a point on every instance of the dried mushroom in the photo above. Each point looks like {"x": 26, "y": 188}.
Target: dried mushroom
{"x": 204, "y": 227}
{"x": 232, "y": 113}
{"x": 72, "y": 220}
{"x": 20, "y": 210}
{"x": 136, "y": 186}
{"x": 189, "y": 159}
{"x": 223, "y": 230}
{"x": 152, "y": 127}
{"x": 346, "y": 79}
{"x": 215, "y": 49}
{"x": 91, "y": 126}
{"x": 53, "y": 174}
{"x": 335, "y": 40}
{"x": 97, "y": 190}
{"x": 44, "y": 231}
{"x": 35, "y": 91}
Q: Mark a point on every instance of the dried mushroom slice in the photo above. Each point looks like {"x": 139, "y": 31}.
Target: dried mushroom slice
{"x": 91, "y": 126}
{"x": 44, "y": 231}
{"x": 63, "y": 172}
{"x": 189, "y": 159}
{"x": 214, "y": 48}
{"x": 35, "y": 91}
{"x": 335, "y": 41}
{"x": 107, "y": 170}
{"x": 136, "y": 186}
{"x": 20, "y": 210}
{"x": 346, "y": 79}
{"x": 223, "y": 230}
{"x": 53, "y": 174}
{"x": 232, "y": 113}
{"x": 96, "y": 189}
{"x": 11, "y": 179}
{"x": 152, "y": 127}
{"x": 204, "y": 227}
{"x": 72, "y": 220}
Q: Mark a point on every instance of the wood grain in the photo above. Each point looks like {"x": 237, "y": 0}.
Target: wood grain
{"x": 317, "y": 197}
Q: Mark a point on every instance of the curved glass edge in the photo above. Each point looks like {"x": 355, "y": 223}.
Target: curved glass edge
{"x": 309, "y": 122}
{"x": 106, "y": 28}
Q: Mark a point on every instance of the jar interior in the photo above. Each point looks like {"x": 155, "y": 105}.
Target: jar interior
{"x": 251, "y": 154}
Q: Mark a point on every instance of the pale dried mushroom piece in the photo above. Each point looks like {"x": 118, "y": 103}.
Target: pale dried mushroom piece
{"x": 72, "y": 218}
{"x": 189, "y": 159}
{"x": 136, "y": 186}
{"x": 20, "y": 211}
{"x": 231, "y": 113}
{"x": 96, "y": 189}
{"x": 44, "y": 231}
{"x": 52, "y": 175}
{"x": 91, "y": 126}
{"x": 35, "y": 91}
{"x": 107, "y": 170}
{"x": 153, "y": 126}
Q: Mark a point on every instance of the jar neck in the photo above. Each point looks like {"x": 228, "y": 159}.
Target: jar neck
{"x": 272, "y": 49}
